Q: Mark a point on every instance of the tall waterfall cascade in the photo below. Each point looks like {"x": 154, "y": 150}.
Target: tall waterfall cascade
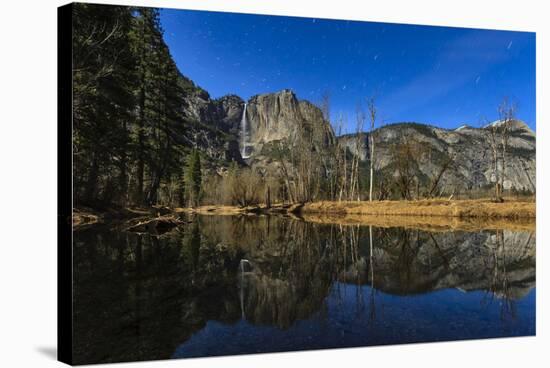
{"x": 244, "y": 135}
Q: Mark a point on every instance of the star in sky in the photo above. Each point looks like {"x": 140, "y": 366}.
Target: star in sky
{"x": 418, "y": 73}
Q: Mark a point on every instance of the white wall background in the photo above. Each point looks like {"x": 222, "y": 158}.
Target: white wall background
{"x": 28, "y": 180}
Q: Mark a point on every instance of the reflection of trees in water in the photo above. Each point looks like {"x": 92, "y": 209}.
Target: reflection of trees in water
{"x": 502, "y": 288}
{"x": 411, "y": 261}
{"x": 138, "y": 297}
{"x": 372, "y": 298}
{"x": 294, "y": 274}
{"x": 294, "y": 264}
{"x": 500, "y": 285}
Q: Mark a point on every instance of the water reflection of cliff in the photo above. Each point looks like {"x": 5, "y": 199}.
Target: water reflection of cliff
{"x": 138, "y": 297}
{"x": 410, "y": 262}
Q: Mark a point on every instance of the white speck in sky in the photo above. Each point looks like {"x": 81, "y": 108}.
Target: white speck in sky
{"x": 375, "y": 57}
{"x": 344, "y": 87}
{"x": 477, "y": 79}
{"x": 509, "y": 45}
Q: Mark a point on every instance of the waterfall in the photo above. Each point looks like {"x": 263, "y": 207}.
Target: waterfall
{"x": 243, "y": 134}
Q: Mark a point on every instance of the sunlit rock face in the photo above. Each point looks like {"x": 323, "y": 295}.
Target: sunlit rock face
{"x": 472, "y": 165}
{"x": 281, "y": 117}
{"x": 272, "y": 119}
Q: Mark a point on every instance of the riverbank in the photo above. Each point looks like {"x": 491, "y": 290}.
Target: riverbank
{"x": 430, "y": 215}
{"x": 433, "y": 214}
{"x": 510, "y": 209}
{"x": 224, "y": 210}
{"x": 480, "y": 208}
{"x": 426, "y": 223}
{"x": 85, "y": 216}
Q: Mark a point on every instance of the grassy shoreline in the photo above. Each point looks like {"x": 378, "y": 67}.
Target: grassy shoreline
{"x": 426, "y": 223}
{"x": 430, "y": 214}
{"x": 510, "y": 209}
{"x": 480, "y": 208}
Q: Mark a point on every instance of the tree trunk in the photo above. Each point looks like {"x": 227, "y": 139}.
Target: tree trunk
{"x": 91, "y": 183}
{"x": 123, "y": 179}
{"x": 503, "y": 174}
{"x": 268, "y": 197}
{"x": 371, "y": 164}
{"x": 141, "y": 125}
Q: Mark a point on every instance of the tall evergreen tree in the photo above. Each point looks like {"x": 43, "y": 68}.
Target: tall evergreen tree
{"x": 128, "y": 107}
{"x": 193, "y": 178}
{"x": 103, "y": 102}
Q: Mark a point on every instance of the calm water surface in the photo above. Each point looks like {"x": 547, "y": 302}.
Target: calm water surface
{"x": 240, "y": 284}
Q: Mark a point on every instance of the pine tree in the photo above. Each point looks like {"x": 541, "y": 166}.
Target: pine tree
{"x": 129, "y": 117}
{"x": 103, "y": 103}
{"x": 193, "y": 178}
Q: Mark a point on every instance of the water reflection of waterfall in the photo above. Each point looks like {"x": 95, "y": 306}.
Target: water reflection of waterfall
{"x": 242, "y": 264}
{"x": 244, "y": 153}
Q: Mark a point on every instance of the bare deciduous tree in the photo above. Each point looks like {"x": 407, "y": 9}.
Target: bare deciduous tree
{"x": 372, "y": 115}
{"x": 498, "y": 135}
{"x": 405, "y": 155}
{"x": 354, "y": 192}
{"x": 435, "y": 181}
{"x": 506, "y": 112}
{"x": 491, "y": 131}
{"x": 244, "y": 187}
{"x": 342, "y": 161}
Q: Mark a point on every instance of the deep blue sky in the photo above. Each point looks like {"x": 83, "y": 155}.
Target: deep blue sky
{"x": 436, "y": 75}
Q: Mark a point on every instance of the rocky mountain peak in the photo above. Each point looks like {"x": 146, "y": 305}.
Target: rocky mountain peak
{"x": 281, "y": 116}
{"x": 515, "y": 125}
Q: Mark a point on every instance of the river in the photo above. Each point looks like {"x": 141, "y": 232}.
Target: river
{"x": 252, "y": 284}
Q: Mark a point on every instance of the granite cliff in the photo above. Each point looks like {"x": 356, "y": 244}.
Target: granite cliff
{"x": 467, "y": 147}
{"x": 280, "y": 119}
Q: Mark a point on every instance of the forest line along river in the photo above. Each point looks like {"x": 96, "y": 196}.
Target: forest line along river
{"x": 305, "y": 285}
